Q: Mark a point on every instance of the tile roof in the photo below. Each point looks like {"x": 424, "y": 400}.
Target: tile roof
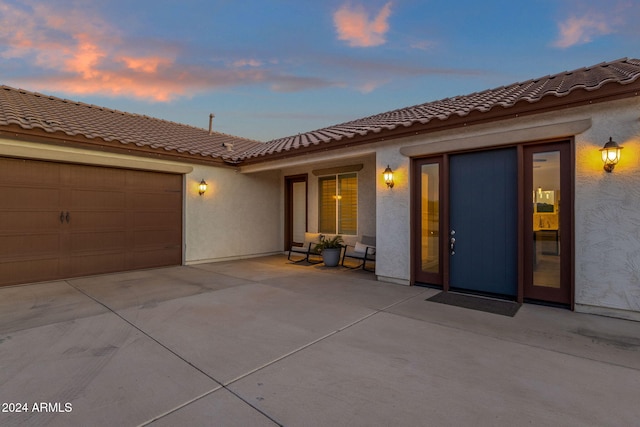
{"x": 60, "y": 117}
{"x": 623, "y": 71}
{"x": 53, "y": 115}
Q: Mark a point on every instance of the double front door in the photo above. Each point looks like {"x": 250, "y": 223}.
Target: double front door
{"x": 492, "y": 222}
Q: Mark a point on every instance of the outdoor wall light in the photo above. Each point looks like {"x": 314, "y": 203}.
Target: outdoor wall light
{"x": 202, "y": 187}
{"x": 610, "y": 154}
{"x": 388, "y": 177}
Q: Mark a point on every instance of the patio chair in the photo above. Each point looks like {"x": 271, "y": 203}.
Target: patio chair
{"x": 307, "y": 250}
{"x": 364, "y": 251}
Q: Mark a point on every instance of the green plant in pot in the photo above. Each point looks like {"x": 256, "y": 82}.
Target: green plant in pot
{"x": 330, "y": 250}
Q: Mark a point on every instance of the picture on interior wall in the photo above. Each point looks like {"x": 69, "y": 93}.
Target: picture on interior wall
{"x": 544, "y": 201}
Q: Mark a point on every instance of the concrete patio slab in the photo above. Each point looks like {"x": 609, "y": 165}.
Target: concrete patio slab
{"x": 252, "y": 269}
{"x": 265, "y": 342}
{"x": 30, "y": 306}
{"x": 220, "y": 408}
{"x": 392, "y": 370}
{"x": 595, "y": 337}
{"x": 350, "y": 287}
{"x": 149, "y": 287}
{"x": 106, "y": 370}
{"x": 237, "y": 330}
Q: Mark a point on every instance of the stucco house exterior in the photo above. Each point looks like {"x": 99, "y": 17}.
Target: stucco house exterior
{"x": 500, "y": 192}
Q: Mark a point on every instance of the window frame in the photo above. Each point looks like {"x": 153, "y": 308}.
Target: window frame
{"x": 338, "y": 208}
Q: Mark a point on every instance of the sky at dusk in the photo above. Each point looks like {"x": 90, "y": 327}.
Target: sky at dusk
{"x": 270, "y": 69}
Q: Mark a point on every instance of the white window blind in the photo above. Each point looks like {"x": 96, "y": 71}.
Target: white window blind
{"x": 338, "y": 204}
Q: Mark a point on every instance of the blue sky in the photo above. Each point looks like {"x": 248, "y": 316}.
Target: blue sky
{"x": 270, "y": 69}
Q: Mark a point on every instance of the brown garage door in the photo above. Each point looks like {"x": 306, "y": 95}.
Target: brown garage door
{"x": 62, "y": 220}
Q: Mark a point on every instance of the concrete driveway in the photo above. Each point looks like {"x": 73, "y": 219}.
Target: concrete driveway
{"x": 262, "y": 342}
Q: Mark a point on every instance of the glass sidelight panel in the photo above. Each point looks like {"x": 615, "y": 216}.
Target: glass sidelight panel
{"x": 430, "y": 218}
{"x": 299, "y": 210}
{"x": 546, "y": 199}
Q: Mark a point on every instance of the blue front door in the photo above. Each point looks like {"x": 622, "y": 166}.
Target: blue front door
{"x": 483, "y": 222}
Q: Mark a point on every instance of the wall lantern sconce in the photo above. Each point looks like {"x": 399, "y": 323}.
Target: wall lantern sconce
{"x": 388, "y": 177}
{"x": 202, "y": 187}
{"x": 610, "y": 154}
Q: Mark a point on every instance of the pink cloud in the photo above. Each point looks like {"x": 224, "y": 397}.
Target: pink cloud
{"x": 354, "y": 25}
{"x": 147, "y": 65}
{"x": 247, "y": 63}
{"x": 80, "y": 54}
{"x": 84, "y": 55}
{"x": 582, "y": 29}
{"x": 85, "y": 58}
{"x": 76, "y": 52}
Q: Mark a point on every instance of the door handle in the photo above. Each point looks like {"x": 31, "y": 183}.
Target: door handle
{"x": 67, "y": 217}
{"x": 452, "y": 242}
{"x": 61, "y": 217}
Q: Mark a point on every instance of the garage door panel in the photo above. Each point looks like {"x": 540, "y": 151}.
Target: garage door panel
{"x": 156, "y": 238}
{"x": 155, "y": 258}
{"x": 155, "y": 201}
{"x": 14, "y": 271}
{"x": 26, "y": 245}
{"x": 97, "y": 200}
{"x": 143, "y": 181}
{"x": 95, "y": 178}
{"x": 24, "y": 198}
{"x": 117, "y": 220}
{"x": 98, "y": 220}
{"x": 144, "y": 219}
{"x": 87, "y": 264}
{"x": 35, "y": 221}
{"x": 98, "y": 241}
{"x": 19, "y": 172}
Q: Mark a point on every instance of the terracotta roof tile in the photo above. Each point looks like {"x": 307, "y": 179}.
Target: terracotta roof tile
{"x": 622, "y": 71}
{"x": 31, "y": 110}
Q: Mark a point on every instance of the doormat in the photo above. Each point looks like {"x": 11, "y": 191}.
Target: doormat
{"x": 503, "y": 308}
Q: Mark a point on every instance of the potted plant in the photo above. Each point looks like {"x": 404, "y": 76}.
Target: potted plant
{"x": 330, "y": 248}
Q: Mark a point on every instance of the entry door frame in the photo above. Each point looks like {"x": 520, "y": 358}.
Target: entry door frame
{"x": 288, "y": 206}
{"x": 563, "y": 295}
{"x": 522, "y": 198}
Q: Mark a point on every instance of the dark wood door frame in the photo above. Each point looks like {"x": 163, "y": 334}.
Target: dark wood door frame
{"x": 523, "y": 197}
{"x": 288, "y": 206}
{"x": 415, "y": 220}
{"x": 565, "y": 294}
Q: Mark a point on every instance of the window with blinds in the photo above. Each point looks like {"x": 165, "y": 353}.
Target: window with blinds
{"x": 338, "y": 204}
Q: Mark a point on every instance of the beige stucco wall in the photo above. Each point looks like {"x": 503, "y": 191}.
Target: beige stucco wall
{"x": 238, "y": 216}
{"x": 607, "y": 220}
{"x": 393, "y": 262}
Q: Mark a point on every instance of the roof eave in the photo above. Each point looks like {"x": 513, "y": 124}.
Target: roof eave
{"x": 576, "y": 98}
{"x": 16, "y": 132}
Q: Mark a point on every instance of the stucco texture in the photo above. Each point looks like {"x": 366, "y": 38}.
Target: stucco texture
{"x": 238, "y": 216}
{"x": 607, "y": 212}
